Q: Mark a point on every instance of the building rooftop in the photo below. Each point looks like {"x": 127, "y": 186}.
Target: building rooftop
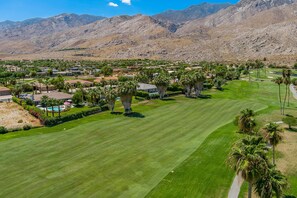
{"x": 4, "y": 89}
{"x": 143, "y": 86}
{"x": 55, "y": 95}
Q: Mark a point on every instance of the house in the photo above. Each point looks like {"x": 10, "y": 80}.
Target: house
{"x": 5, "y": 95}
{"x": 42, "y": 87}
{"x": 55, "y": 95}
{"x": 109, "y": 78}
{"x": 84, "y": 83}
{"x": 147, "y": 88}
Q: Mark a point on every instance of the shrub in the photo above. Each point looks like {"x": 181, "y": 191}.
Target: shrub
{"x": 175, "y": 87}
{"x": 20, "y": 121}
{"x": 3, "y": 130}
{"x": 27, "y": 127}
{"x": 142, "y": 94}
{"x": 290, "y": 120}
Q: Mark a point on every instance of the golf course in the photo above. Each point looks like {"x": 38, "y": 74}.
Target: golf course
{"x": 171, "y": 148}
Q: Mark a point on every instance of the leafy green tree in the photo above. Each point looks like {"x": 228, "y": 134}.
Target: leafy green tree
{"x": 162, "y": 81}
{"x": 290, "y": 121}
{"x": 126, "y": 91}
{"x": 271, "y": 184}
{"x": 248, "y": 158}
{"x": 77, "y": 98}
{"x": 219, "y": 82}
{"x": 273, "y": 134}
{"x": 107, "y": 71}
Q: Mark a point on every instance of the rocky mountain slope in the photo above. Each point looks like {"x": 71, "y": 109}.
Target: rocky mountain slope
{"x": 251, "y": 29}
{"x": 41, "y": 27}
{"x": 191, "y": 13}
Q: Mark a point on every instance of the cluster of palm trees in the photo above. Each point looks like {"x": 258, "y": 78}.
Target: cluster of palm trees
{"x": 286, "y": 80}
{"x": 51, "y": 102}
{"x": 249, "y": 157}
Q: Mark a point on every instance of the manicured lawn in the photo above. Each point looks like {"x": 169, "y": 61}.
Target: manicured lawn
{"x": 116, "y": 156}
{"x": 112, "y": 157}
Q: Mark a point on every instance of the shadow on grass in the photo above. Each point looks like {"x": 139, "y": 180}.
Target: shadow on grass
{"x": 294, "y": 130}
{"x": 290, "y": 196}
{"x": 168, "y": 99}
{"x": 134, "y": 115}
{"x": 205, "y": 97}
{"x": 117, "y": 113}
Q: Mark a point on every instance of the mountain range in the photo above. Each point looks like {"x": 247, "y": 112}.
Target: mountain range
{"x": 250, "y": 29}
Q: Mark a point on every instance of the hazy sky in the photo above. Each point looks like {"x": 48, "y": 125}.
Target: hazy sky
{"x": 23, "y": 9}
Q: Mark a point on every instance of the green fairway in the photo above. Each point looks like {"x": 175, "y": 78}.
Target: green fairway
{"x": 112, "y": 157}
{"x": 177, "y": 148}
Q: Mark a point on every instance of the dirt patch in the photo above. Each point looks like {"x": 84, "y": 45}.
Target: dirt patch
{"x": 288, "y": 148}
{"x": 14, "y": 116}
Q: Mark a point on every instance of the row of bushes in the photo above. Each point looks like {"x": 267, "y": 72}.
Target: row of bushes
{"x": 4, "y": 130}
{"x": 52, "y": 121}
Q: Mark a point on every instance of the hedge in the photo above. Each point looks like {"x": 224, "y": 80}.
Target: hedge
{"x": 52, "y": 121}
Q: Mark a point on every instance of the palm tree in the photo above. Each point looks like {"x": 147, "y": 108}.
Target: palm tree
{"x": 17, "y": 90}
{"x": 246, "y": 122}
{"x": 45, "y": 103}
{"x": 59, "y": 103}
{"x": 40, "y": 81}
{"x": 279, "y": 81}
{"x": 187, "y": 82}
{"x": 273, "y": 134}
{"x": 198, "y": 79}
{"x": 47, "y": 83}
{"x": 162, "y": 81}
{"x": 287, "y": 82}
{"x": 110, "y": 95}
{"x": 52, "y": 102}
{"x": 126, "y": 91}
{"x": 248, "y": 158}
{"x": 270, "y": 184}
{"x": 67, "y": 87}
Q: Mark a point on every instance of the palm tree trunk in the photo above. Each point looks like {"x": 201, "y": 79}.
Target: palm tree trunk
{"x": 273, "y": 152}
{"x": 280, "y": 98}
{"x": 53, "y": 113}
{"x": 250, "y": 190}
{"x": 285, "y": 99}
{"x": 288, "y": 96}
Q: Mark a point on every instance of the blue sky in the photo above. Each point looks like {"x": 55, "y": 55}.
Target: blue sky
{"x": 23, "y": 9}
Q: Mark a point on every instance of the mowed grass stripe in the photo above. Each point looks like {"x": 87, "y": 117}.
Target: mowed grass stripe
{"x": 121, "y": 157}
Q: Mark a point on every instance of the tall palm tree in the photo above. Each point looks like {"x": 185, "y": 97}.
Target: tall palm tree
{"x": 248, "y": 158}
{"x": 126, "y": 91}
{"x": 273, "y": 183}
{"x": 47, "y": 83}
{"x": 246, "y": 122}
{"x": 273, "y": 134}
{"x": 162, "y": 81}
{"x": 287, "y": 81}
{"x": 279, "y": 81}
{"x": 110, "y": 95}
{"x": 40, "y": 81}
{"x": 45, "y": 103}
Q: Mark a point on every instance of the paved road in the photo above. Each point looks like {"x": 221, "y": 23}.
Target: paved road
{"x": 236, "y": 185}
